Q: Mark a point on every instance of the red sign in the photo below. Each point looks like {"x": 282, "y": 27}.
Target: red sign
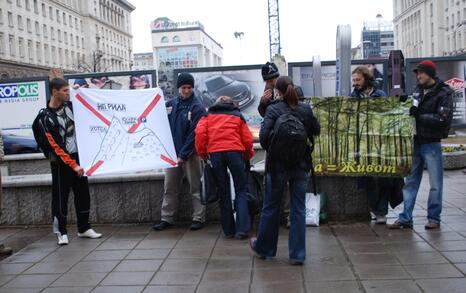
{"x": 458, "y": 85}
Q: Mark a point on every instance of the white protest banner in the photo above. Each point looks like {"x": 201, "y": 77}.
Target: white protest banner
{"x": 120, "y": 131}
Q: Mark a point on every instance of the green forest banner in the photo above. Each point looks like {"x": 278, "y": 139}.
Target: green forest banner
{"x": 361, "y": 137}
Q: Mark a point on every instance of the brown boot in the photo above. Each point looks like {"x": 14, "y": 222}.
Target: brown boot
{"x": 432, "y": 226}
{"x": 398, "y": 225}
{"x": 5, "y": 250}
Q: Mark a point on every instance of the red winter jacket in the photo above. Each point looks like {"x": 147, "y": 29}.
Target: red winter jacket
{"x": 223, "y": 129}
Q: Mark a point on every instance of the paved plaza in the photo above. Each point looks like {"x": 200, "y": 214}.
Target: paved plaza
{"x": 342, "y": 257}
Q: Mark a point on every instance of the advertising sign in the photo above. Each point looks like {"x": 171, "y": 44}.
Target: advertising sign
{"x": 125, "y": 80}
{"x": 452, "y": 70}
{"x": 20, "y": 101}
{"x": 243, "y": 83}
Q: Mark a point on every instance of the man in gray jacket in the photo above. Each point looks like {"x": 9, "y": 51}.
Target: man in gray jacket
{"x": 4, "y": 250}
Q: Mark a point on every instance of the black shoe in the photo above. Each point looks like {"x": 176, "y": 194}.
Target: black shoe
{"x": 294, "y": 262}
{"x": 162, "y": 226}
{"x": 241, "y": 235}
{"x": 196, "y": 225}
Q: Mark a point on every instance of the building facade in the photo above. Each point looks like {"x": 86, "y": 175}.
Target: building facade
{"x": 143, "y": 61}
{"x": 76, "y": 36}
{"x": 427, "y": 28}
{"x": 377, "y": 39}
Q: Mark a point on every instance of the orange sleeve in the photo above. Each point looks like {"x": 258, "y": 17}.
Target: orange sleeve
{"x": 60, "y": 152}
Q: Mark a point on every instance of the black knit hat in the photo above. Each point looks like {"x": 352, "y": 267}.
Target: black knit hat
{"x": 428, "y": 67}
{"x": 185, "y": 79}
{"x": 269, "y": 71}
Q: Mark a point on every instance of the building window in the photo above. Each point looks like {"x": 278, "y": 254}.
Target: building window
{"x": 45, "y": 32}
{"x": 28, "y": 4}
{"x": 176, "y": 39}
{"x": 82, "y": 43}
{"x": 164, "y": 40}
{"x": 1, "y": 16}
{"x": 20, "y": 22}
{"x": 44, "y": 11}
{"x": 10, "y": 19}
{"x": 11, "y": 44}
{"x": 59, "y": 35}
{"x": 58, "y": 15}
{"x": 64, "y": 18}
{"x": 71, "y": 40}
{"x": 37, "y": 28}
{"x": 76, "y": 23}
{"x": 36, "y": 7}
{"x": 30, "y": 51}
{"x": 39, "y": 52}
{"x": 52, "y": 33}
{"x": 21, "y": 47}
{"x": 77, "y": 41}
{"x": 54, "y": 55}
{"x": 18, "y": 3}
{"x": 29, "y": 25}
{"x": 65, "y": 36}
{"x": 50, "y": 12}
{"x": 46, "y": 54}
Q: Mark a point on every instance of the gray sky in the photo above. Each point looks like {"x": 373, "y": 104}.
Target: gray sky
{"x": 308, "y": 27}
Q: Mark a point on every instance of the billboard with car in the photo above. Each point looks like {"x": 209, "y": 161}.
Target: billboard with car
{"x": 243, "y": 83}
{"x": 20, "y": 101}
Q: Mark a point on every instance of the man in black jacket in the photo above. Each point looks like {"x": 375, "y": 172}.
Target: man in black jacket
{"x": 433, "y": 110}
{"x": 58, "y": 125}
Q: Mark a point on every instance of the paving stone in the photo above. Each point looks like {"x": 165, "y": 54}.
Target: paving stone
{"x": 443, "y": 285}
{"x": 31, "y": 281}
{"x": 127, "y": 278}
{"x": 433, "y": 271}
{"x": 155, "y": 253}
{"x": 118, "y": 289}
{"x": 176, "y": 278}
{"x": 79, "y": 279}
{"x": 184, "y": 265}
{"x": 146, "y": 265}
{"x": 332, "y": 287}
{"x": 169, "y": 289}
{"x": 405, "y": 286}
{"x": 101, "y": 266}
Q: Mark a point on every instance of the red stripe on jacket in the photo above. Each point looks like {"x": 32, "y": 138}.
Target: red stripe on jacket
{"x": 221, "y": 133}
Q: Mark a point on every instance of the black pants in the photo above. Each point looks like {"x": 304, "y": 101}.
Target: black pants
{"x": 64, "y": 179}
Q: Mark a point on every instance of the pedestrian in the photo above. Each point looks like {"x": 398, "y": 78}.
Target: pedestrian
{"x": 377, "y": 188}
{"x": 223, "y": 139}
{"x": 286, "y": 133}
{"x": 57, "y": 124}
{"x": 4, "y": 250}
{"x": 433, "y": 112}
{"x": 184, "y": 112}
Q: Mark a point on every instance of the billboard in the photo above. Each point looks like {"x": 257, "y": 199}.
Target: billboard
{"x": 452, "y": 70}
{"x": 363, "y": 137}
{"x": 124, "y": 80}
{"x": 243, "y": 83}
{"x": 20, "y": 101}
{"x": 303, "y": 75}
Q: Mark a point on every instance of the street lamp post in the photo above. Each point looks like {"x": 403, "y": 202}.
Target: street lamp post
{"x": 239, "y": 35}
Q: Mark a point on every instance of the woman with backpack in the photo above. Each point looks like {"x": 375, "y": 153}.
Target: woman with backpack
{"x": 224, "y": 140}
{"x": 286, "y": 133}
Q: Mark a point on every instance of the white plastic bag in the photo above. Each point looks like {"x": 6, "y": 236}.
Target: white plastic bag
{"x": 312, "y": 209}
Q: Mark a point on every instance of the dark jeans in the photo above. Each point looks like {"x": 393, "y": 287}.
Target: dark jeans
{"x": 235, "y": 163}
{"x": 267, "y": 235}
{"x": 63, "y": 180}
{"x": 376, "y": 195}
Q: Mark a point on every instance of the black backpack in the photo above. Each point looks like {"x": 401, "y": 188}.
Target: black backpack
{"x": 38, "y": 129}
{"x": 289, "y": 141}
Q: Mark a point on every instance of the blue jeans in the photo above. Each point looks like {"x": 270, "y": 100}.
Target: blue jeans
{"x": 267, "y": 235}
{"x": 234, "y": 161}
{"x": 431, "y": 155}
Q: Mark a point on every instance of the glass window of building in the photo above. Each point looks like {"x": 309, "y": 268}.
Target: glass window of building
{"x": 176, "y": 39}
{"x": 164, "y": 40}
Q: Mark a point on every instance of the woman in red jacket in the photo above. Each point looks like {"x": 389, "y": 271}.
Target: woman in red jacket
{"x": 224, "y": 137}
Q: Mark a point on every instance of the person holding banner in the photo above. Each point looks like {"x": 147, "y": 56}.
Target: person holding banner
{"x": 224, "y": 139}
{"x": 377, "y": 188}
{"x": 433, "y": 112}
{"x": 288, "y": 161}
{"x": 184, "y": 112}
{"x": 57, "y": 125}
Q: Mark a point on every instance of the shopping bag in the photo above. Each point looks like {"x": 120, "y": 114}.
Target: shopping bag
{"x": 312, "y": 209}
{"x": 209, "y": 190}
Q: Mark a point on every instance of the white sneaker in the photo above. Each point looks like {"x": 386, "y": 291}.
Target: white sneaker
{"x": 90, "y": 234}
{"x": 373, "y": 216}
{"x": 381, "y": 220}
{"x": 62, "y": 239}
